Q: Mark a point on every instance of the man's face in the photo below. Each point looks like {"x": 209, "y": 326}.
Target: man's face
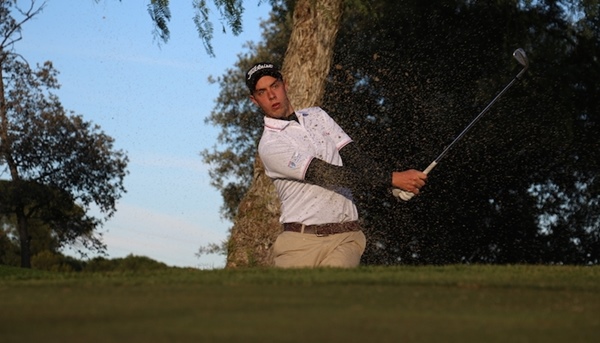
{"x": 270, "y": 95}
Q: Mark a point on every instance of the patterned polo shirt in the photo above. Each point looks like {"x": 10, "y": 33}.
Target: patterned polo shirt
{"x": 286, "y": 149}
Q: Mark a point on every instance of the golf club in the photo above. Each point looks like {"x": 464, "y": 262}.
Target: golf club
{"x": 521, "y": 57}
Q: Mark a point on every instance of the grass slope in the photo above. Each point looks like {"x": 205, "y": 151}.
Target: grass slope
{"x": 369, "y": 304}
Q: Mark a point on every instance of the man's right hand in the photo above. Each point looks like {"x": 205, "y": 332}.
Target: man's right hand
{"x": 409, "y": 180}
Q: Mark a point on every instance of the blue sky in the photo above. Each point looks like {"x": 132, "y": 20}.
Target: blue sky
{"x": 152, "y": 99}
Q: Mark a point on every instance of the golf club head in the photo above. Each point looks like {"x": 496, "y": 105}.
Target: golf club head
{"x": 521, "y": 57}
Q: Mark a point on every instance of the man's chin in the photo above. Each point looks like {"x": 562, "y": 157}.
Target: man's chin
{"x": 277, "y": 115}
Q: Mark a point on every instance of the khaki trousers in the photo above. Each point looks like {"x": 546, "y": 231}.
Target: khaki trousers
{"x": 301, "y": 250}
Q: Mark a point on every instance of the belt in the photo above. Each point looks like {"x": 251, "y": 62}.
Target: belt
{"x": 322, "y": 229}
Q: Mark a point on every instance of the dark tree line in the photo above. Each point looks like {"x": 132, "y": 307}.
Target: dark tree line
{"x": 408, "y": 76}
{"x": 522, "y": 186}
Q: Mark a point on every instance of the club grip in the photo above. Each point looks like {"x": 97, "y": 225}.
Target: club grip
{"x": 406, "y": 195}
{"x": 402, "y": 194}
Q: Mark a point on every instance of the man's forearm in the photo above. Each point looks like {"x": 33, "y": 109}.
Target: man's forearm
{"x": 358, "y": 171}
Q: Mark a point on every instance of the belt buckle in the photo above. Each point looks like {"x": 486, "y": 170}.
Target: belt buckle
{"x": 320, "y": 234}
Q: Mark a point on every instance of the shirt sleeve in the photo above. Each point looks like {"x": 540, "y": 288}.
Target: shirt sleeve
{"x": 359, "y": 172}
{"x": 285, "y": 160}
{"x": 335, "y": 131}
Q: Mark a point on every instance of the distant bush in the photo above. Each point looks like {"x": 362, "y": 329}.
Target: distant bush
{"x": 129, "y": 263}
{"x": 9, "y": 252}
{"x": 56, "y": 262}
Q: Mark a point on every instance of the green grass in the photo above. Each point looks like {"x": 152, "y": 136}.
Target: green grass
{"x": 368, "y": 304}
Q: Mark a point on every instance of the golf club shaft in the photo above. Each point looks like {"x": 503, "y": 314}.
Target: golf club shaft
{"x": 406, "y": 195}
{"x": 476, "y": 119}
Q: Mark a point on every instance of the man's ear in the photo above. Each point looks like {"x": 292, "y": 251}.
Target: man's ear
{"x": 253, "y": 100}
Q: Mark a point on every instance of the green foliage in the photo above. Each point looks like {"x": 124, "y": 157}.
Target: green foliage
{"x": 48, "y": 259}
{"x": 54, "y": 219}
{"x": 212, "y": 248}
{"x": 230, "y": 11}
{"x": 56, "y": 262}
{"x": 130, "y": 263}
{"x": 9, "y": 249}
{"x": 160, "y": 15}
{"x": 419, "y": 74}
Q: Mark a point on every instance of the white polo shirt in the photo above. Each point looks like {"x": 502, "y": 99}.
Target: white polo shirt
{"x": 286, "y": 149}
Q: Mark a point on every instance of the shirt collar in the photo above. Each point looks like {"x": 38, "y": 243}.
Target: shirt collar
{"x": 278, "y": 124}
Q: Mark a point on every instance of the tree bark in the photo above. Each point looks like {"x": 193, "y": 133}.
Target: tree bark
{"x": 306, "y": 66}
{"x": 24, "y": 237}
{"x": 256, "y": 225}
{"x": 310, "y": 50}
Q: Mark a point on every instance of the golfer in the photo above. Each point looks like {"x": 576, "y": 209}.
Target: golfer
{"x": 314, "y": 166}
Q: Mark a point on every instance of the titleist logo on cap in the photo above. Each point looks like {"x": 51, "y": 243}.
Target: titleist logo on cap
{"x": 259, "y": 67}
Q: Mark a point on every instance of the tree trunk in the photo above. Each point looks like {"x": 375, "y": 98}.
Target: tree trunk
{"x": 256, "y": 225}
{"x": 24, "y": 237}
{"x": 310, "y": 50}
{"x": 306, "y": 66}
